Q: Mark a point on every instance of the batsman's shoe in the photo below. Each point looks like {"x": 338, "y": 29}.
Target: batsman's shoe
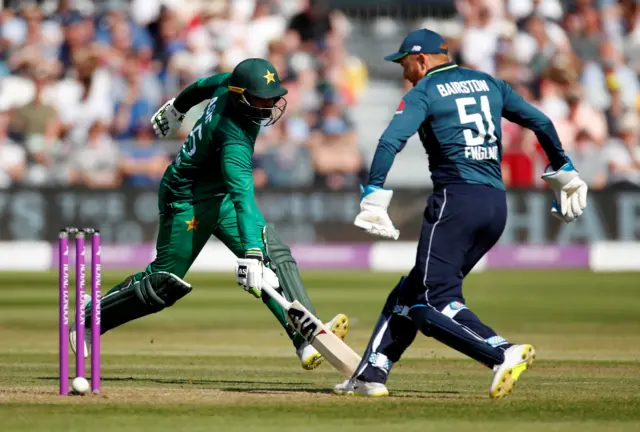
{"x": 87, "y": 332}
{"x": 309, "y": 356}
{"x": 517, "y": 359}
{"x": 356, "y": 387}
{"x": 339, "y": 326}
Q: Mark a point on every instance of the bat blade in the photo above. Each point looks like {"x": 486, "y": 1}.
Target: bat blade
{"x": 332, "y": 348}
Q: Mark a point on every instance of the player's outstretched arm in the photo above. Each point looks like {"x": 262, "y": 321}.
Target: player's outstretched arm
{"x": 570, "y": 191}
{"x": 373, "y": 216}
{"x": 168, "y": 119}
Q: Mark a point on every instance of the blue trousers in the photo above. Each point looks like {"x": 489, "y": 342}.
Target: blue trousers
{"x": 461, "y": 223}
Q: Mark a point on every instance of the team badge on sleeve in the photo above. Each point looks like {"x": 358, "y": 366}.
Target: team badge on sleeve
{"x": 400, "y": 108}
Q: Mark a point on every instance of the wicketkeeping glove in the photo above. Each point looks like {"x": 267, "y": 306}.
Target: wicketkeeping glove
{"x": 167, "y": 120}
{"x": 252, "y": 274}
{"x": 570, "y": 192}
{"x": 373, "y": 216}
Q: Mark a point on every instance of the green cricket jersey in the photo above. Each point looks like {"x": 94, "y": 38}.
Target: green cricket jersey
{"x": 215, "y": 160}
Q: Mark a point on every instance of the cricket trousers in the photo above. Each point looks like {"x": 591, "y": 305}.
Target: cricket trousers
{"x": 460, "y": 224}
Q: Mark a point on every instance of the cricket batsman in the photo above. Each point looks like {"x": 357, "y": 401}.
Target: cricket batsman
{"x": 208, "y": 190}
{"x": 457, "y": 113}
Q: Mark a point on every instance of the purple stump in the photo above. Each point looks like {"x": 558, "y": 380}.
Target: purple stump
{"x": 63, "y": 319}
{"x": 80, "y": 290}
{"x": 96, "y": 270}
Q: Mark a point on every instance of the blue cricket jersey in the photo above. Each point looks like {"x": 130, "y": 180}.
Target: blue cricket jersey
{"x": 457, "y": 113}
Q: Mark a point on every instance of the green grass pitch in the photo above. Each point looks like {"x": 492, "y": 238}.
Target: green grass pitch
{"x": 217, "y": 361}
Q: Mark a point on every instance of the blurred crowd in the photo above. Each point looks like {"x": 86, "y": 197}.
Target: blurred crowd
{"x": 79, "y": 81}
{"x": 577, "y": 61}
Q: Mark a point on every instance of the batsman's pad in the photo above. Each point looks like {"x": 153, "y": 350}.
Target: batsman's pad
{"x": 455, "y": 335}
{"x": 286, "y": 268}
{"x": 147, "y": 296}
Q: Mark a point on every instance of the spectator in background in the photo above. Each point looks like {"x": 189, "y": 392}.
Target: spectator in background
{"x": 610, "y": 72}
{"x": 334, "y": 148}
{"x": 585, "y": 118}
{"x": 143, "y": 162}
{"x": 312, "y": 26}
{"x": 38, "y": 123}
{"x": 519, "y": 149}
{"x": 78, "y": 32}
{"x": 479, "y": 44}
{"x": 283, "y": 159}
{"x": 629, "y": 32}
{"x": 39, "y": 45}
{"x": 585, "y": 33}
{"x": 549, "y": 9}
{"x": 266, "y": 24}
{"x": 97, "y": 164}
{"x": 168, "y": 42}
{"x": 12, "y": 156}
{"x": 84, "y": 98}
{"x": 623, "y": 152}
{"x": 138, "y": 94}
{"x": 589, "y": 155}
{"x": 13, "y": 31}
{"x": 116, "y": 28}
{"x": 38, "y": 117}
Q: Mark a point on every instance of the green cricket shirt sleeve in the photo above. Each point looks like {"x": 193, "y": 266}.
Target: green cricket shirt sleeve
{"x": 199, "y": 91}
{"x": 238, "y": 176}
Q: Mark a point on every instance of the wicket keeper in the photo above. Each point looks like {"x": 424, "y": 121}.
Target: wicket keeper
{"x": 457, "y": 113}
{"x": 208, "y": 190}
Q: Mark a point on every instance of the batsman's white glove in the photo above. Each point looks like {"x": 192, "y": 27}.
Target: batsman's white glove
{"x": 570, "y": 192}
{"x": 252, "y": 274}
{"x": 373, "y": 216}
{"x": 167, "y": 120}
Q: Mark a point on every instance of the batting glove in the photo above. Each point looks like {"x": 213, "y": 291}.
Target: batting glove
{"x": 570, "y": 192}
{"x": 373, "y": 216}
{"x": 252, "y": 274}
{"x": 167, "y": 120}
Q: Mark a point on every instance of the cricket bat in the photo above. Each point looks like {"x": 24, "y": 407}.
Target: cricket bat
{"x": 338, "y": 353}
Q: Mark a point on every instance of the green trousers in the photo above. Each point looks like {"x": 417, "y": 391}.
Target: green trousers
{"x": 185, "y": 228}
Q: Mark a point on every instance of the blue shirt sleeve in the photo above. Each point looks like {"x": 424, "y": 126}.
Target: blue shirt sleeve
{"x": 410, "y": 115}
{"x": 519, "y": 111}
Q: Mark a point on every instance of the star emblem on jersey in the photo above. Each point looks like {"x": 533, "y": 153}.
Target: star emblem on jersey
{"x": 192, "y": 224}
{"x": 270, "y": 77}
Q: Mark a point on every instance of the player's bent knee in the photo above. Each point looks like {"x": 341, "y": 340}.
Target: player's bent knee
{"x": 175, "y": 267}
{"x": 160, "y": 290}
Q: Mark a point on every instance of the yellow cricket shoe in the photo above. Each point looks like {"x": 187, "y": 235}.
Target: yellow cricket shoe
{"x": 339, "y": 326}
{"x": 517, "y": 359}
{"x": 310, "y": 358}
{"x": 356, "y": 387}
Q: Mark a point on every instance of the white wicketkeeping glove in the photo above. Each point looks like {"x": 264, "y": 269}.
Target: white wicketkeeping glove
{"x": 570, "y": 192}
{"x": 373, "y": 216}
{"x": 167, "y": 120}
{"x": 252, "y": 274}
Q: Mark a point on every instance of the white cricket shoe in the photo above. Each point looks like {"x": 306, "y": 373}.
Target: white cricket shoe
{"x": 356, "y": 387}
{"x": 517, "y": 359}
{"x": 311, "y": 357}
{"x": 87, "y": 332}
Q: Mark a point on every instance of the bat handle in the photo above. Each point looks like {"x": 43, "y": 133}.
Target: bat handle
{"x": 277, "y": 297}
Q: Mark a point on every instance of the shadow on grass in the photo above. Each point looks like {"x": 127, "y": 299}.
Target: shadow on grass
{"x": 264, "y": 387}
{"x": 179, "y": 381}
